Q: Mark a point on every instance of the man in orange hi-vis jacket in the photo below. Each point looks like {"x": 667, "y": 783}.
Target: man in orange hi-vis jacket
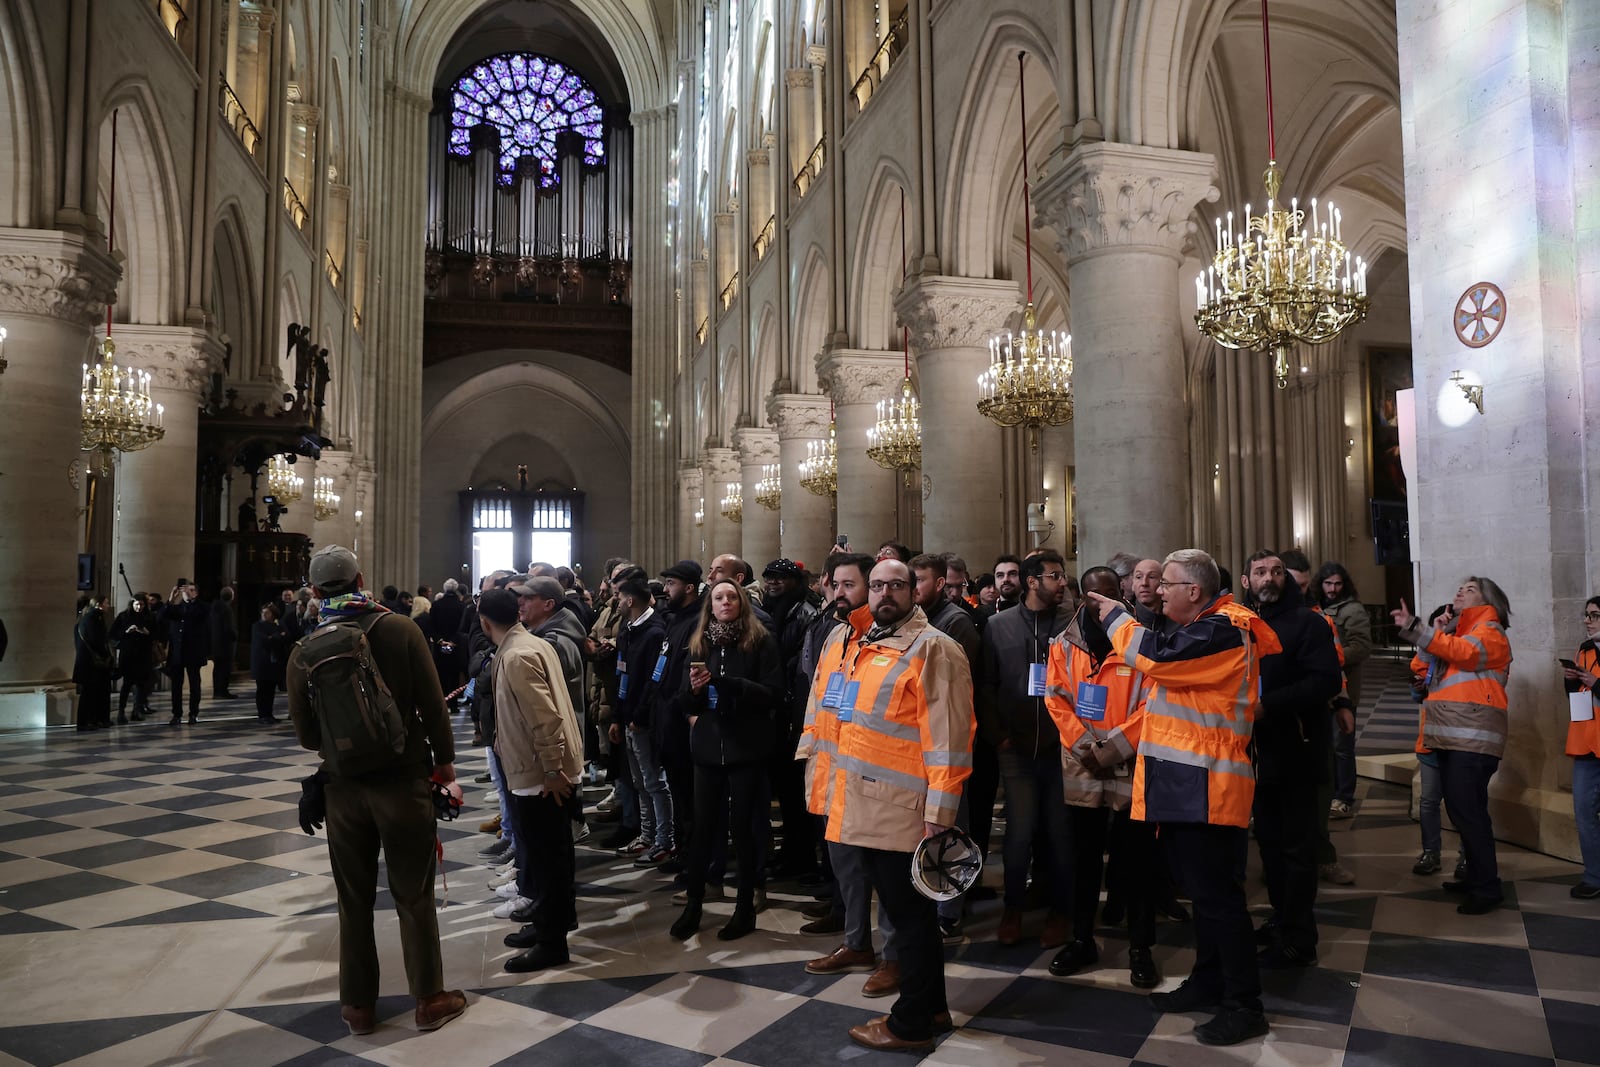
{"x": 1193, "y": 775}
{"x": 890, "y": 725}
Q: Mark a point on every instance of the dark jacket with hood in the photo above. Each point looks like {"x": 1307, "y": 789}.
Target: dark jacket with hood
{"x": 1013, "y": 640}
{"x": 1294, "y": 734}
{"x": 563, "y": 630}
{"x": 639, "y": 646}
{"x": 791, "y": 617}
{"x": 749, "y": 690}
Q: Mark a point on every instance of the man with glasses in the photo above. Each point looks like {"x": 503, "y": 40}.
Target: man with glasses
{"x": 1012, "y": 716}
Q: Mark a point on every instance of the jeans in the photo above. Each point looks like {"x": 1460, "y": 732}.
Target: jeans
{"x": 1586, "y": 806}
{"x": 1344, "y": 765}
{"x": 1036, "y": 818}
{"x": 508, "y": 826}
{"x": 1466, "y": 796}
{"x": 545, "y": 866}
{"x": 655, "y": 809}
{"x": 916, "y": 944}
{"x": 1428, "y": 806}
{"x": 1202, "y": 856}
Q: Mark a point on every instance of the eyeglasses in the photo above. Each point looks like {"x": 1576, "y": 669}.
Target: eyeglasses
{"x": 1055, "y": 577}
{"x": 1591, "y": 616}
{"x": 1164, "y": 584}
{"x": 896, "y": 585}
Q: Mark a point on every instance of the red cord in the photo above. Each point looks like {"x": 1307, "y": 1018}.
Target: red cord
{"x": 1266, "y": 50}
{"x": 1027, "y": 219}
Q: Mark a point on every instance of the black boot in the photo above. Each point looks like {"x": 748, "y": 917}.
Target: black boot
{"x": 688, "y": 923}
{"x": 742, "y": 922}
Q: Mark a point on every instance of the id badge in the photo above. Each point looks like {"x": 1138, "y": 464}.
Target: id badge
{"x": 847, "y": 702}
{"x": 660, "y": 668}
{"x": 622, "y": 686}
{"x": 835, "y": 691}
{"x": 1036, "y": 679}
{"x": 1091, "y": 704}
{"x": 711, "y": 697}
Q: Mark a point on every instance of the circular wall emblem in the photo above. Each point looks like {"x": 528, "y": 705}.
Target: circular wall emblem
{"x": 927, "y": 487}
{"x": 1480, "y": 314}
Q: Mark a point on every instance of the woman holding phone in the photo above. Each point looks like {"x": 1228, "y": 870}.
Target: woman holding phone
{"x": 734, "y": 689}
{"x": 1464, "y": 721}
{"x": 1583, "y": 745}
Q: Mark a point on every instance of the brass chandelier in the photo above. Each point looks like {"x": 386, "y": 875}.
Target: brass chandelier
{"x": 769, "y": 490}
{"x": 733, "y": 503}
{"x": 118, "y": 414}
{"x": 324, "y": 501}
{"x": 283, "y": 482}
{"x": 700, "y": 513}
{"x": 819, "y": 471}
{"x": 1285, "y": 276}
{"x": 1029, "y": 378}
{"x": 895, "y": 442}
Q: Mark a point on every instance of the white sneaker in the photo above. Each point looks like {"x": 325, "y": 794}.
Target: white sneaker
{"x": 509, "y": 867}
{"x": 491, "y": 800}
{"x": 507, "y": 890}
{"x": 504, "y": 910}
{"x": 581, "y": 834}
{"x": 503, "y": 879}
{"x": 609, "y": 803}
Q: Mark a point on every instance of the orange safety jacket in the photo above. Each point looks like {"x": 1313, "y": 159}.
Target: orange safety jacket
{"x": 1466, "y": 706}
{"x": 888, "y": 732}
{"x": 1583, "y": 738}
{"x": 1194, "y": 760}
{"x": 1419, "y": 669}
{"x": 1115, "y": 732}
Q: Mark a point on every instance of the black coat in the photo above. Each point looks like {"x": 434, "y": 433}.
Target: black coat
{"x": 92, "y": 663}
{"x": 224, "y": 630}
{"x": 749, "y": 687}
{"x": 269, "y": 646}
{"x": 133, "y": 636}
{"x": 638, "y": 648}
{"x": 1294, "y": 734}
{"x": 1013, "y": 639}
{"x": 188, "y": 633}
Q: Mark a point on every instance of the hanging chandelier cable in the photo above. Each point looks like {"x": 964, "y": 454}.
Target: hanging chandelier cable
{"x": 1266, "y": 52}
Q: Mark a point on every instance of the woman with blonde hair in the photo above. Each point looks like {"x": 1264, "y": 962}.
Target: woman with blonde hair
{"x": 734, "y": 690}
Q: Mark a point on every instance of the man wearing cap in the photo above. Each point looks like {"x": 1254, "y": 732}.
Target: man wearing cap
{"x": 670, "y": 725}
{"x": 791, "y": 612}
{"x": 391, "y": 808}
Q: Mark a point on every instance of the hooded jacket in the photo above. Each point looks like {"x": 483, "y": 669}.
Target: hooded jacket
{"x": 1294, "y": 734}
{"x": 563, "y": 631}
{"x": 1015, "y": 639}
{"x": 639, "y": 646}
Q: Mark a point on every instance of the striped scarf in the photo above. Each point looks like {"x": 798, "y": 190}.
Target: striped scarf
{"x": 348, "y": 606}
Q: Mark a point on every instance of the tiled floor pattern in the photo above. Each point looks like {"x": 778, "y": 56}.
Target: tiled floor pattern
{"x": 1387, "y": 721}
{"x": 158, "y": 904}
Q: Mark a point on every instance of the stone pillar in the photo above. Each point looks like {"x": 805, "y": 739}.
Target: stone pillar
{"x": 1502, "y": 493}
{"x": 156, "y": 487}
{"x": 951, "y": 321}
{"x": 759, "y": 532}
{"x": 857, "y": 380}
{"x": 805, "y": 523}
{"x": 655, "y": 316}
{"x": 722, "y": 534}
{"x": 691, "y": 535}
{"x": 53, "y": 287}
{"x": 1121, "y": 213}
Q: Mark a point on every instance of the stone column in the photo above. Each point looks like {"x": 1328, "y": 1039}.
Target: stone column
{"x": 857, "y": 380}
{"x": 655, "y": 316}
{"x": 805, "y": 523}
{"x": 156, "y": 487}
{"x": 1509, "y": 492}
{"x": 54, "y": 286}
{"x": 722, "y": 534}
{"x": 691, "y": 535}
{"x": 951, "y": 321}
{"x": 759, "y": 532}
{"x": 1121, "y": 213}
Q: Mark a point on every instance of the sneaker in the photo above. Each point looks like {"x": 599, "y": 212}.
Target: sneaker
{"x": 506, "y": 907}
{"x": 1335, "y": 874}
{"x": 503, "y": 879}
{"x": 1339, "y": 809}
{"x": 508, "y": 867}
{"x": 491, "y": 800}
{"x": 497, "y": 851}
{"x": 581, "y": 834}
{"x": 1585, "y": 891}
{"x": 507, "y": 890}
{"x": 635, "y": 847}
{"x": 950, "y": 931}
{"x": 1427, "y": 863}
{"x": 609, "y": 803}
{"x": 654, "y": 857}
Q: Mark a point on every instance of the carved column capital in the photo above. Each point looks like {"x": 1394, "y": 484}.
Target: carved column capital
{"x": 944, "y": 312}
{"x": 797, "y": 78}
{"x": 798, "y": 415}
{"x": 759, "y": 157}
{"x": 179, "y": 358}
{"x": 856, "y": 376}
{"x": 691, "y": 479}
{"x": 55, "y": 275}
{"x": 1107, "y": 196}
{"x": 721, "y": 466}
{"x": 756, "y": 445}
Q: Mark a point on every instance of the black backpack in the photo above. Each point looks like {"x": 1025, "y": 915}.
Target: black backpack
{"x": 362, "y": 729}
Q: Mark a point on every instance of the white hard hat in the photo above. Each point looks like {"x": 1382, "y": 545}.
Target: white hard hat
{"x": 946, "y": 865}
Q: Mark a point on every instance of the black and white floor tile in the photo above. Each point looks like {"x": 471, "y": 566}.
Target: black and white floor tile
{"x": 159, "y": 904}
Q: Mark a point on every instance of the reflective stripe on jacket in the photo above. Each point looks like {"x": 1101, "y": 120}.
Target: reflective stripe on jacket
{"x": 1466, "y": 706}
{"x": 1194, "y": 761}
{"x": 898, "y": 755}
{"x": 1116, "y": 732}
{"x": 1583, "y": 738}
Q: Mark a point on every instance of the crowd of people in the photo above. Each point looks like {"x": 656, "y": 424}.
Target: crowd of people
{"x": 1139, "y": 723}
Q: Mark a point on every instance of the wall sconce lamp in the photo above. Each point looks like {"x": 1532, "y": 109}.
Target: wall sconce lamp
{"x": 1473, "y": 393}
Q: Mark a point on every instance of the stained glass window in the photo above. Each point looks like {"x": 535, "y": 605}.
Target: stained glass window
{"x": 529, "y": 99}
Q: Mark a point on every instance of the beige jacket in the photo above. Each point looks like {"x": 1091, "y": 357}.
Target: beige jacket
{"x": 536, "y": 729}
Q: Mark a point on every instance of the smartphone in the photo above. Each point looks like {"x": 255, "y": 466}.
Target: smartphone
{"x": 1568, "y": 664}
{"x": 844, "y": 539}
{"x": 697, "y": 663}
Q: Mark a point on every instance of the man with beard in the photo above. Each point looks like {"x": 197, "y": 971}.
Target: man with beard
{"x": 791, "y": 614}
{"x": 1008, "y": 582}
{"x": 1293, "y": 738}
{"x": 890, "y": 725}
{"x": 670, "y": 728}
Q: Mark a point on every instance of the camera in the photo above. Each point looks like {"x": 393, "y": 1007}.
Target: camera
{"x": 269, "y": 499}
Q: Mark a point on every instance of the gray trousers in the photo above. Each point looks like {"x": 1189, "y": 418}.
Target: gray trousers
{"x": 855, "y": 891}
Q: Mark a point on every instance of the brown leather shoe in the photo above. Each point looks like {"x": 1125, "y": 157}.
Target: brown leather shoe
{"x": 433, "y": 1012}
{"x": 1010, "y": 932}
{"x": 844, "y": 960}
{"x": 361, "y": 1021}
{"x": 490, "y": 827}
{"x": 875, "y": 1034}
{"x": 883, "y": 982}
{"x": 1057, "y": 930}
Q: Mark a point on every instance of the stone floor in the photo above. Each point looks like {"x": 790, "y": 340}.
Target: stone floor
{"x": 158, "y": 904}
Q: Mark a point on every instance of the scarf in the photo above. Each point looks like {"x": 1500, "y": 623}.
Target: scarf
{"x": 348, "y": 606}
{"x": 723, "y": 634}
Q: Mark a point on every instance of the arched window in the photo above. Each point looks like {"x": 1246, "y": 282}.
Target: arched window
{"x": 529, "y": 100}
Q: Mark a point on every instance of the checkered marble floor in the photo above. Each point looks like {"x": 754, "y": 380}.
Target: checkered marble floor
{"x": 159, "y": 904}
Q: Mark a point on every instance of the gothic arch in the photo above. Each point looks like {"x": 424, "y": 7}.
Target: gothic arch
{"x": 812, "y": 316}
{"x": 731, "y": 387}
{"x": 148, "y": 227}
{"x": 764, "y": 365}
{"x": 877, "y": 270}
{"x": 233, "y": 288}
{"x": 27, "y": 138}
